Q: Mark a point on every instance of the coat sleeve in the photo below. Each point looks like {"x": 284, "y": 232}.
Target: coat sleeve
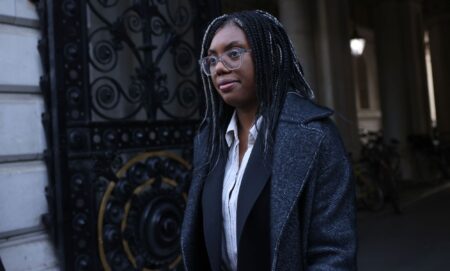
{"x": 332, "y": 240}
{"x": 192, "y": 242}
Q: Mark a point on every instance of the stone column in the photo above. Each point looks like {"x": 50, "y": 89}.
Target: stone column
{"x": 296, "y": 16}
{"x": 401, "y": 69}
{"x": 438, "y": 24}
{"x": 335, "y": 75}
{"x": 321, "y": 33}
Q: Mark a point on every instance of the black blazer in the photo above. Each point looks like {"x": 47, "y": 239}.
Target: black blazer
{"x": 253, "y": 235}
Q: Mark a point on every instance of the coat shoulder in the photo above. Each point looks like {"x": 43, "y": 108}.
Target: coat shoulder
{"x": 299, "y": 109}
{"x": 306, "y": 115}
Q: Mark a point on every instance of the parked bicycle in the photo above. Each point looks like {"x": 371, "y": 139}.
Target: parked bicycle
{"x": 369, "y": 194}
{"x": 377, "y": 173}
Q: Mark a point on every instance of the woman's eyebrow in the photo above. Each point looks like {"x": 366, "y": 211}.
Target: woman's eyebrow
{"x": 234, "y": 44}
{"x": 230, "y": 45}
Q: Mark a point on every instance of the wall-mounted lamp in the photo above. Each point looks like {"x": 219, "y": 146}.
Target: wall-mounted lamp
{"x": 357, "y": 45}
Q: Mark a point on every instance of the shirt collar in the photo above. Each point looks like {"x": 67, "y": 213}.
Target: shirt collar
{"x": 231, "y": 134}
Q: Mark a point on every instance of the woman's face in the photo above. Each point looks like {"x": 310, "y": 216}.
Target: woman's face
{"x": 236, "y": 87}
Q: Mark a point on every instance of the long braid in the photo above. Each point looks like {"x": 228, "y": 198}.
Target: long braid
{"x": 277, "y": 72}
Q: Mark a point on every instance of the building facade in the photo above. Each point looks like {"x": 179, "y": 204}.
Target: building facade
{"x": 386, "y": 88}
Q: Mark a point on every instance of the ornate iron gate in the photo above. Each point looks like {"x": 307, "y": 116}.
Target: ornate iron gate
{"x": 122, "y": 98}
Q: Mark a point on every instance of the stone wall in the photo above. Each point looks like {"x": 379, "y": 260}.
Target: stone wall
{"x": 24, "y": 243}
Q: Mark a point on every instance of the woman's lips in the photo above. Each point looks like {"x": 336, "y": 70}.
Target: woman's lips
{"x": 228, "y": 86}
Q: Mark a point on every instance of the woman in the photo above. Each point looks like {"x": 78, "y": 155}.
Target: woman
{"x": 271, "y": 187}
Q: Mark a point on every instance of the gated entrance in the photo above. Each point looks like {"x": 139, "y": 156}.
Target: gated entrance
{"x": 123, "y": 99}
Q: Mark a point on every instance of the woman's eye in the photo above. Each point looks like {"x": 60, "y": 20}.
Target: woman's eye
{"x": 234, "y": 53}
{"x": 212, "y": 60}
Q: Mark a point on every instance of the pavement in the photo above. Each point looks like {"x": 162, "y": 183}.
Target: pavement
{"x": 416, "y": 240}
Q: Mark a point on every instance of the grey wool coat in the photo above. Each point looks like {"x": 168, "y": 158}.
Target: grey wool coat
{"x": 298, "y": 213}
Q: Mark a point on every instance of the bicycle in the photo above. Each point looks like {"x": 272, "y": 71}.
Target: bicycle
{"x": 383, "y": 162}
{"x": 369, "y": 194}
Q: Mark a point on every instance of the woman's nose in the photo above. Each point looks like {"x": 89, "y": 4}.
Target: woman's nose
{"x": 220, "y": 68}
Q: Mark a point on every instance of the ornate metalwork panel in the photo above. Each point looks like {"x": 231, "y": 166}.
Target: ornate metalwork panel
{"x": 123, "y": 98}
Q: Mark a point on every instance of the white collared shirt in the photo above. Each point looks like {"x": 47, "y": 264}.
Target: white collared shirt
{"x": 231, "y": 185}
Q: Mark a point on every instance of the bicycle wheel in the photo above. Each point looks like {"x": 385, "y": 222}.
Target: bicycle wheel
{"x": 389, "y": 177}
{"x": 372, "y": 195}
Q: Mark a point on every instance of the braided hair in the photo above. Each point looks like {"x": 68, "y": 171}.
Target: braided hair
{"x": 277, "y": 72}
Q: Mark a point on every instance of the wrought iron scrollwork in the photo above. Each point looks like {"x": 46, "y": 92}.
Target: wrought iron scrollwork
{"x": 154, "y": 41}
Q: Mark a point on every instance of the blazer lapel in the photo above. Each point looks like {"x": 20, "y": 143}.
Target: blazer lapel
{"x": 254, "y": 179}
{"x": 212, "y": 213}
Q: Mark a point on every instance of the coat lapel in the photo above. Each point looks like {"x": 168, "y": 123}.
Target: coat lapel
{"x": 295, "y": 151}
{"x": 255, "y": 177}
{"x": 212, "y": 213}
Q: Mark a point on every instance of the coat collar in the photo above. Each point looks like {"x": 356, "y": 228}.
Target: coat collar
{"x": 299, "y": 109}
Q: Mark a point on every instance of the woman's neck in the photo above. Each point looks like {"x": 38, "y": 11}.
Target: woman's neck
{"x": 245, "y": 120}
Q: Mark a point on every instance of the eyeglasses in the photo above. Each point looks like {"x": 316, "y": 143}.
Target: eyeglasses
{"x": 231, "y": 59}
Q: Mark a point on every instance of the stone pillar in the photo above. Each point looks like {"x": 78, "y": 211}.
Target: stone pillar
{"x": 401, "y": 63}
{"x": 335, "y": 75}
{"x": 296, "y": 16}
{"x": 438, "y": 24}
{"x": 321, "y": 33}
{"x": 401, "y": 69}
